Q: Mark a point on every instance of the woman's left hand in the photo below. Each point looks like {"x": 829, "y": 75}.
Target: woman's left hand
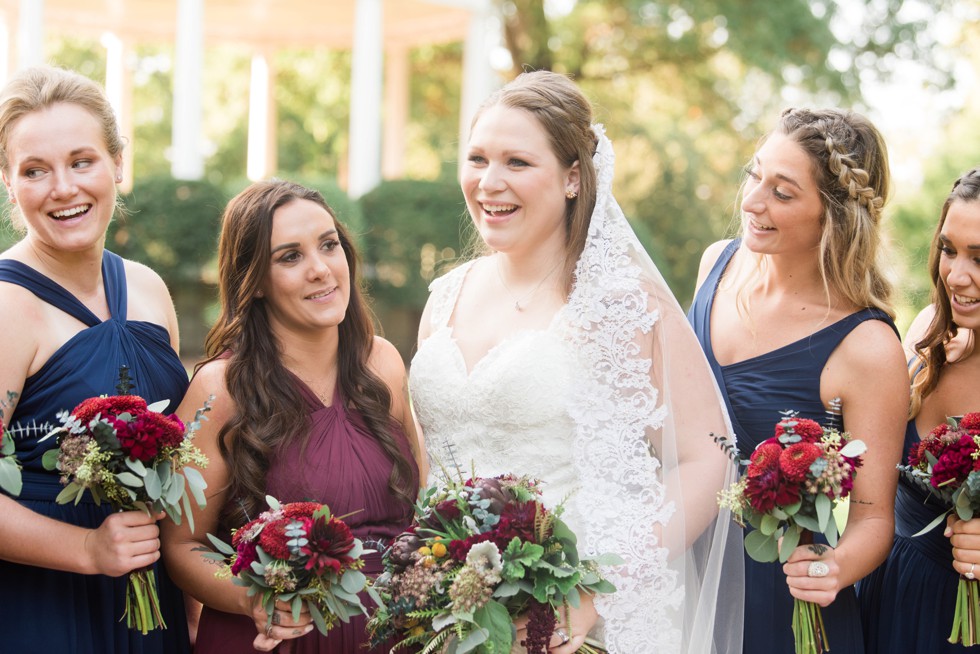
{"x": 812, "y": 574}
{"x": 571, "y": 631}
{"x": 964, "y": 535}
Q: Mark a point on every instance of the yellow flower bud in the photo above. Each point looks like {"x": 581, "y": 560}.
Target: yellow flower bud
{"x": 439, "y": 550}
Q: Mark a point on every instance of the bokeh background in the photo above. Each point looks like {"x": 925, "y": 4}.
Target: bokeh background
{"x": 686, "y": 88}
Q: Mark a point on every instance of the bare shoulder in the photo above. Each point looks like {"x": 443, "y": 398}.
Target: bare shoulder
{"x": 709, "y": 258}
{"x": 144, "y": 278}
{"x": 871, "y": 351}
{"x": 387, "y": 362}
{"x": 920, "y": 324}
{"x": 208, "y": 385}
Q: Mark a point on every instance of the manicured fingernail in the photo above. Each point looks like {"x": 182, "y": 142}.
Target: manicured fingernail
{"x": 948, "y": 532}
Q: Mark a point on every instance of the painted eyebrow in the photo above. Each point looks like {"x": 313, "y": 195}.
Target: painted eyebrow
{"x": 945, "y": 240}
{"x": 286, "y": 246}
{"x": 74, "y": 153}
{"x": 788, "y": 180}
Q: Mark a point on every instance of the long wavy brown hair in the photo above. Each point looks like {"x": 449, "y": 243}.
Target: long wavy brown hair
{"x": 270, "y": 410}
{"x": 931, "y": 350}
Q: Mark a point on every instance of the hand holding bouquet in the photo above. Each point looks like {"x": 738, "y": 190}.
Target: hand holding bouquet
{"x": 789, "y": 489}
{"x": 128, "y": 454}
{"x": 298, "y": 554}
{"x": 947, "y": 464}
{"x": 481, "y": 553}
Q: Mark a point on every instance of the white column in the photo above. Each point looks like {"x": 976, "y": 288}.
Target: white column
{"x": 479, "y": 79}
{"x": 397, "y": 68}
{"x": 187, "y": 160}
{"x": 30, "y": 33}
{"x": 119, "y": 90}
{"x": 364, "y": 156}
{"x": 261, "y": 119}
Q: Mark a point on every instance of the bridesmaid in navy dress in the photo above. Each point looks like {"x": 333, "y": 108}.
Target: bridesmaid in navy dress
{"x": 908, "y": 603}
{"x": 74, "y": 313}
{"x": 794, "y": 314}
{"x": 309, "y": 406}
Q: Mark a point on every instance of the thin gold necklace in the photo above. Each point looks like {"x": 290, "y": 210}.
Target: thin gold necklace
{"x": 527, "y": 296}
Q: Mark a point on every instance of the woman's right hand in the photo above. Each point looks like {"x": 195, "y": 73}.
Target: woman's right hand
{"x": 281, "y": 626}
{"x": 964, "y": 536}
{"x": 125, "y": 541}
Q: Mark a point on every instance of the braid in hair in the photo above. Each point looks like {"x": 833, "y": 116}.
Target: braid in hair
{"x": 931, "y": 349}
{"x": 851, "y": 170}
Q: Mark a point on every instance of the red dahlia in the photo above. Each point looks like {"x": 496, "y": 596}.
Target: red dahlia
{"x": 764, "y": 459}
{"x": 809, "y": 430}
{"x": 329, "y": 542}
{"x": 796, "y": 460}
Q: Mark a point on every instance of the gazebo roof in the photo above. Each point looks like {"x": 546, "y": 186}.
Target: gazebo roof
{"x": 323, "y": 23}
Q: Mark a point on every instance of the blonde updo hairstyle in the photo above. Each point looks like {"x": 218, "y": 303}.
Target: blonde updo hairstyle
{"x": 40, "y": 87}
{"x": 566, "y": 116}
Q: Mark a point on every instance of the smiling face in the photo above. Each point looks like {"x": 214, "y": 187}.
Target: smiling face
{"x": 62, "y": 177}
{"x": 959, "y": 261}
{"x": 782, "y": 210}
{"x": 307, "y": 287}
{"x": 514, "y": 185}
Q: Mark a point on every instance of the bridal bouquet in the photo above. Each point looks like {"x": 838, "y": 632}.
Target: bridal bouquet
{"x": 296, "y": 553}
{"x": 480, "y": 553}
{"x": 788, "y": 491}
{"x": 10, "y": 480}
{"x": 947, "y": 464}
{"x": 127, "y": 453}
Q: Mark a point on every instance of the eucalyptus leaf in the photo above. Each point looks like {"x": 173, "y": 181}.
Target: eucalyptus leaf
{"x": 353, "y": 581}
{"x": 823, "y": 506}
{"x": 760, "y": 547}
{"x": 932, "y": 525}
{"x": 10, "y": 477}
{"x": 318, "y": 620}
{"x": 807, "y": 522}
{"x": 175, "y": 489}
{"x": 196, "y": 484}
{"x": 50, "y": 459}
{"x": 854, "y": 448}
{"x": 136, "y": 466}
{"x": 473, "y": 640}
{"x": 769, "y": 525}
{"x": 129, "y": 479}
{"x": 791, "y": 538}
{"x": 186, "y": 502}
{"x": 158, "y": 407}
{"x": 154, "y": 488}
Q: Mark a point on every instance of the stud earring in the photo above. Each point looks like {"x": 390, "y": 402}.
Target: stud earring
{"x": 570, "y": 194}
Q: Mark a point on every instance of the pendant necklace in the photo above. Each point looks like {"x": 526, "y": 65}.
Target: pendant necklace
{"x": 527, "y": 296}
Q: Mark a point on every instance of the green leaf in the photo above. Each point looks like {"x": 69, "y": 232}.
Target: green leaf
{"x": 769, "y": 525}
{"x": 506, "y": 589}
{"x": 318, "y": 620}
{"x": 197, "y": 485}
{"x": 50, "y": 459}
{"x": 153, "y": 487}
{"x": 823, "y": 506}
{"x": 297, "y": 607}
{"x": 272, "y": 502}
{"x": 792, "y": 509}
{"x": 174, "y": 489}
{"x": 353, "y": 581}
{"x": 129, "y": 479}
{"x": 807, "y": 522}
{"x": 932, "y": 525}
{"x": 10, "y": 477}
{"x": 220, "y": 545}
{"x": 136, "y": 466}
{"x": 760, "y": 547}
{"x": 519, "y": 555}
{"x": 791, "y": 538}
{"x": 69, "y": 493}
{"x": 473, "y": 640}
{"x": 494, "y": 617}
{"x": 831, "y": 533}
{"x": 186, "y": 501}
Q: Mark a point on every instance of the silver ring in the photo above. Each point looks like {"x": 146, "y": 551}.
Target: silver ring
{"x": 817, "y": 569}
{"x": 969, "y": 575}
{"x": 268, "y": 629}
{"x": 561, "y": 634}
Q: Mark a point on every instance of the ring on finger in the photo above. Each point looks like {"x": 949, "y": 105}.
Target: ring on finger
{"x": 817, "y": 569}
{"x": 268, "y": 629}
{"x": 969, "y": 575}
{"x": 561, "y": 634}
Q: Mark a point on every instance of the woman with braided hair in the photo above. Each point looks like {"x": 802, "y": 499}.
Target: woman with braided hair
{"x": 794, "y": 314}
{"x": 908, "y": 603}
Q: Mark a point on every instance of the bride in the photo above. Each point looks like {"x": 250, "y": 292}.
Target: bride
{"x": 561, "y": 354}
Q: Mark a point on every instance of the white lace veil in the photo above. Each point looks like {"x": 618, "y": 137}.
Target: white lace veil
{"x": 649, "y": 468}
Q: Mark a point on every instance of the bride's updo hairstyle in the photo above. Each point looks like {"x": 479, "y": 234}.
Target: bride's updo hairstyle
{"x": 566, "y": 116}
{"x": 850, "y": 167}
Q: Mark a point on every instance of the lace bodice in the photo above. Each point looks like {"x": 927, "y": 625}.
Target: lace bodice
{"x": 503, "y": 414}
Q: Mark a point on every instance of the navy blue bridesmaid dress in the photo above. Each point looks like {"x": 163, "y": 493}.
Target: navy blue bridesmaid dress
{"x": 756, "y": 391}
{"x": 48, "y": 610}
{"x": 908, "y": 602}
